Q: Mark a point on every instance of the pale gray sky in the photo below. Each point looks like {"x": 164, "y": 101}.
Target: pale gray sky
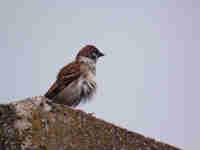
{"x": 149, "y": 80}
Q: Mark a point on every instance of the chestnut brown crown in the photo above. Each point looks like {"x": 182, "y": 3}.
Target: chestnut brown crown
{"x": 91, "y": 52}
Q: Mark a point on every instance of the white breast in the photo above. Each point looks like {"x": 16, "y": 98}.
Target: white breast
{"x": 80, "y": 91}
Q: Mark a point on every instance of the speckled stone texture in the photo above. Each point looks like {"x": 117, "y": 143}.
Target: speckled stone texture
{"x": 36, "y": 124}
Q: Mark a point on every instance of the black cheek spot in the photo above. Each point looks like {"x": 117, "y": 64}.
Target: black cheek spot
{"x": 84, "y": 76}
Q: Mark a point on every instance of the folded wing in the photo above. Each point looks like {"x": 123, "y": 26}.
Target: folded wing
{"x": 67, "y": 75}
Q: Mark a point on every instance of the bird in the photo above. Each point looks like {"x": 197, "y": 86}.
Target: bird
{"x": 75, "y": 82}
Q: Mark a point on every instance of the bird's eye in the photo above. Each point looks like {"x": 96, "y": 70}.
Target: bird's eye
{"x": 94, "y": 55}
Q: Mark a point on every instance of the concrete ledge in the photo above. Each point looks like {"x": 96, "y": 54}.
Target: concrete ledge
{"x": 34, "y": 124}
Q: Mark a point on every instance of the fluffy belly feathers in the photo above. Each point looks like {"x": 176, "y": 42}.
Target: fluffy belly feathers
{"x": 78, "y": 92}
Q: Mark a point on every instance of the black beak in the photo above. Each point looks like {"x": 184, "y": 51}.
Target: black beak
{"x": 100, "y": 54}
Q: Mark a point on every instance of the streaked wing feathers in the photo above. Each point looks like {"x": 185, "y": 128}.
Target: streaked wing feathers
{"x": 53, "y": 91}
{"x": 66, "y": 75}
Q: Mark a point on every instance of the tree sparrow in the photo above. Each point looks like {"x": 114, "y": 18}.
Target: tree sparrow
{"x": 76, "y": 81}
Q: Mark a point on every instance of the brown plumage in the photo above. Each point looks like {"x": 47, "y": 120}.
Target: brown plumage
{"x": 76, "y": 81}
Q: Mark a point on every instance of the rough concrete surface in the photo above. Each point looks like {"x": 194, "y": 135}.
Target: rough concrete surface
{"x": 36, "y": 124}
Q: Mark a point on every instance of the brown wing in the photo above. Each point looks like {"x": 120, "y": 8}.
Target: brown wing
{"x": 67, "y": 74}
{"x": 53, "y": 91}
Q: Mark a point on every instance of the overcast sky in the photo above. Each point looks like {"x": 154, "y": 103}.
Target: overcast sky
{"x": 147, "y": 83}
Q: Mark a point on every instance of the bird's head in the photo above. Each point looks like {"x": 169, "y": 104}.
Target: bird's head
{"x": 90, "y": 52}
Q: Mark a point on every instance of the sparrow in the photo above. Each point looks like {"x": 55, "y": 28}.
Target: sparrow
{"x": 75, "y": 82}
